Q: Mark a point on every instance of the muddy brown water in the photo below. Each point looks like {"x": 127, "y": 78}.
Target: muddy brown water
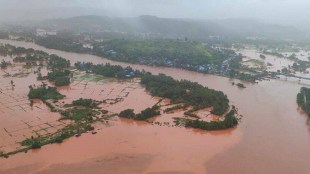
{"x": 273, "y": 136}
{"x": 277, "y": 63}
{"x": 18, "y": 117}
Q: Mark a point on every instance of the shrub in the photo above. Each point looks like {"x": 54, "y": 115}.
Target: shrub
{"x": 128, "y": 113}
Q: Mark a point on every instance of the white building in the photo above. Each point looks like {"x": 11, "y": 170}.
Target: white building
{"x": 42, "y": 32}
{"x": 87, "y": 45}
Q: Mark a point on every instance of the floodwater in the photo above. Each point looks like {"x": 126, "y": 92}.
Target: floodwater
{"x": 21, "y": 120}
{"x": 18, "y": 119}
{"x": 119, "y": 94}
{"x": 273, "y": 136}
{"x": 301, "y": 55}
{"x": 276, "y": 63}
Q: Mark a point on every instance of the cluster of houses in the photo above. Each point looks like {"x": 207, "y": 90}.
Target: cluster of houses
{"x": 88, "y": 46}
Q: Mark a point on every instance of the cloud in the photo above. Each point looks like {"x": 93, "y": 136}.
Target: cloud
{"x": 281, "y": 11}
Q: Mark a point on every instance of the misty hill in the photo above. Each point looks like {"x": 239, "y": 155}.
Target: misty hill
{"x": 175, "y": 28}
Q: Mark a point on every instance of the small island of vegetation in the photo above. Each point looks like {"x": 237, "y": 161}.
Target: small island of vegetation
{"x": 303, "y": 99}
{"x": 44, "y": 92}
{"x": 240, "y": 85}
{"x": 144, "y": 115}
{"x": 229, "y": 122}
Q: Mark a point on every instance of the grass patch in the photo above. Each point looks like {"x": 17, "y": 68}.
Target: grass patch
{"x": 85, "y": 114}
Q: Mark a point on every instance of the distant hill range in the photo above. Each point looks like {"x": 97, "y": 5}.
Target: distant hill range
{"x": 176, "y": 28}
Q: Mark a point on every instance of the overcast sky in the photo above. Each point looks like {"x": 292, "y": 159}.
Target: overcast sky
{"x": 279, "y": 11}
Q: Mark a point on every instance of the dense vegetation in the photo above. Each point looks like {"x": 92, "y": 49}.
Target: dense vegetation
{"x": 186, "y": 92}
{"x": 60, "y": 77}
{"x": 88, "y": 103}
{"x": 127, "y": 113}
{"x": 62, "y": 42}
{"x": 148, "y": 113}
{"x": 240, "y": 85}
{"x": 32, "y": 57}
{"x": 59, "y": 74}
{"x": 108, "y": 70}
{"x": 9, "y": 50}
{"x": 191, "y": 55}
{"x": 229, "y": 122}
{"x": 303, "y": 99}
{"x": 44, "y": 92}
{"x": 185, "y": 54}
{"x": 56, "y": 62}
{"x": 52, "y": 76}
{"x": 62, "y": 81}
{"x": 144, "y": 115}
{"x": 159, "y": 52}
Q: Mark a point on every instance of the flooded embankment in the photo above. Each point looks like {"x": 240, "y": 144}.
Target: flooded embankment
{"x": 273, "y": 136}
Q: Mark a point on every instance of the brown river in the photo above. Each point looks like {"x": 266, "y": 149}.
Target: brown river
{"x": 273, "y": 136}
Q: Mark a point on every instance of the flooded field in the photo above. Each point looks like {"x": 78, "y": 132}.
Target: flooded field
{"x": 273, "y": 136}
{"x": 301, "y": 55}
{"x": 124, "y": 93}
{"x": 18, "y": 118}
{"x": 270, "y": 63}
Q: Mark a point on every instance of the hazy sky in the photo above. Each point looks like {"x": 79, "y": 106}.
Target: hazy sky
{"x": 280, "y": 11}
